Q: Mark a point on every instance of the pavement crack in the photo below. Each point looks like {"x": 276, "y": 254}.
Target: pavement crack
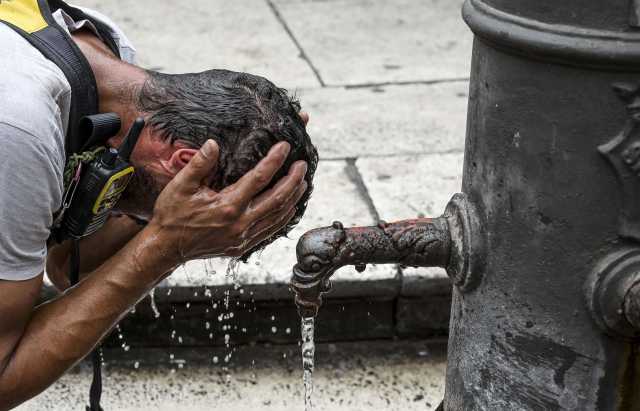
{"x": 354, "y": 175}
{"x": 406, "y": 83}
{"x": 395, "y": 155}
{"x": 293, "y": 38}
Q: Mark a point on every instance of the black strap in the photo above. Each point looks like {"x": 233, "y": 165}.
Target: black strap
{"x": 84, "y": 90}
{"x": 74, "y": 263}
{"x": 56, "y": 45}
{"x": 95, "y": 392}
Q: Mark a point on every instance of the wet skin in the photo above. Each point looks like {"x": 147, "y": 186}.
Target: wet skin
{"x": 37, "y": 345}
{"x": 123, "y": 262}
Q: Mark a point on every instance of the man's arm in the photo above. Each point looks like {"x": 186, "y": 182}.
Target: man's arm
{"x": 190, "y": 221}
{"x": 98, "y": 247}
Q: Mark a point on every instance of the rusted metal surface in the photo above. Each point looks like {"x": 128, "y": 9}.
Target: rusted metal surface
{"x": 453, "y": 242}
{"x": 544, "y": 97}
{"x": 544, "y": 244}
{"x": 420, "y": 242}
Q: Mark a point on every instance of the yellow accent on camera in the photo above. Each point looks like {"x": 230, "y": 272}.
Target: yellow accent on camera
{"x": 24, "y": 14}
{"x": 111, "y": 191}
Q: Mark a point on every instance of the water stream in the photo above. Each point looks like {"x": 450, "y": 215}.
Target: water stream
{"x": 308, "y": 355}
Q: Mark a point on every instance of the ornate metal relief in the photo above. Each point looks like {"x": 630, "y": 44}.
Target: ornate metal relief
{"x": 634, "y": 15}
{"x": 623, "y": 152}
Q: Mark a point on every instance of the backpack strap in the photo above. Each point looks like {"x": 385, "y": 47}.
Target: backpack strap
{"x": 33, "y": 20}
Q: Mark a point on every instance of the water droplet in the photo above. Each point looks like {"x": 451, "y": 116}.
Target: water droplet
{"x": 152, "y": 302}
{"x": 136, "y": 365}
{"x": 288, "y": 330}
{"x": 215, "y": 359}
{"x": 274, "y": 330}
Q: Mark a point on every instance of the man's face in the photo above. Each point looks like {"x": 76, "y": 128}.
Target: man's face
{"x": 151, "y": 175}
{"x": 140, "y": 196}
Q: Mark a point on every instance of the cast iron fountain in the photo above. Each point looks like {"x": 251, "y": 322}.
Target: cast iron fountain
{"x": 543, "y": 247}
{"x": 452, "y": 241}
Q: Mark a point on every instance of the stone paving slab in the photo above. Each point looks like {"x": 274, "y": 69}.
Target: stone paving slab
{"x": 371, "y": 41}
{"x": 388, "y": 120}
{"x": 198, "y": 35}
{"x": 409, "y": 186}
{"x": 336, "y": 196}
{"x": 382, "y": 375}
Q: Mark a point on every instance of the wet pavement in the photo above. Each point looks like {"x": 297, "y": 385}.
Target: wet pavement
{"x": 386, "y": 85}
{"x": 382, "y": 375}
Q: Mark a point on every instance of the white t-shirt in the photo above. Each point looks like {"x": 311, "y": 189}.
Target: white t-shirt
{"x": 35, "y": 99}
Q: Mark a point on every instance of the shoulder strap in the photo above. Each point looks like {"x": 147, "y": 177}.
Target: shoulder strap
{"x": 33, "y": 20}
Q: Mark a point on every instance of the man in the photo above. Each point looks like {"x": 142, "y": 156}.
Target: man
{"x": 212, "y": 180}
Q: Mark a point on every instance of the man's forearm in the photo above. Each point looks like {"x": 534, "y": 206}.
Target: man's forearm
{"x": 63, "y": 331}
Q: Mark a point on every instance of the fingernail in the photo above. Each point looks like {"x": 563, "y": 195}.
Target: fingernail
{"x": 285, "y": 147}
{"x": 305, "y": 167}
{"x": 207, "y": 148}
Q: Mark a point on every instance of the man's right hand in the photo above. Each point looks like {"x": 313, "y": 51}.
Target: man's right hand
{"x": 195, "y": 221}
{"x": 190, "y": 221}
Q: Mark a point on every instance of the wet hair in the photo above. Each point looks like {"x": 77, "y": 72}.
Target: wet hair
{"x": 245, "y": 114}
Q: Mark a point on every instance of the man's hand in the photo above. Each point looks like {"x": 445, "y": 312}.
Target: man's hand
{"x": 200, "y": 222}
{"x": 190, "y": 221}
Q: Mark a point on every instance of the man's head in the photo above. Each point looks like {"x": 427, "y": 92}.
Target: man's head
{"x": 244, "y": 114}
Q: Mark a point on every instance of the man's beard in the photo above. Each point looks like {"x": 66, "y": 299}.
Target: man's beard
{"x": 140, "y": 196}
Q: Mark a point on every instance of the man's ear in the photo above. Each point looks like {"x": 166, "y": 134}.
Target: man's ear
{"x": 179, "y": 159}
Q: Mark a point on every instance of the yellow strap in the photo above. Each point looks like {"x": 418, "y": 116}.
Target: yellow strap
{"x": 24, "y": 14}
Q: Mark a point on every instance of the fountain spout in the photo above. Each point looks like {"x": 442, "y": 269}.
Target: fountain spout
{"x": 446, "y": 242}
